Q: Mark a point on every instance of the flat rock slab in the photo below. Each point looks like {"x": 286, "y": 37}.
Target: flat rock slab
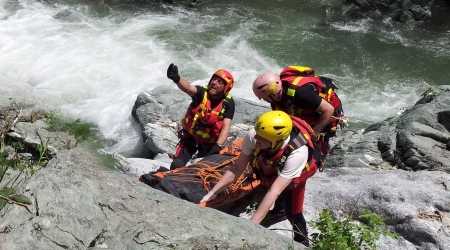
{"x": 79, "y": 205}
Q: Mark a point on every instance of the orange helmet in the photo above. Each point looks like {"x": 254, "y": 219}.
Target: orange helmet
{"x": 227, "y": 77}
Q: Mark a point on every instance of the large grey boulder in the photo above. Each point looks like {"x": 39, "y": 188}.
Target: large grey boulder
{"x": 79, "y": 205}
{"x": 159, "y": 111}
{"x": 416, "y": 205}
{"x": 417, "y": 139}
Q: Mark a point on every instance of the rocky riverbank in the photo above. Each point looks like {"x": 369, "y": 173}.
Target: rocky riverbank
{"x": 75, "y": 202}
{"x": 398, "y": 168}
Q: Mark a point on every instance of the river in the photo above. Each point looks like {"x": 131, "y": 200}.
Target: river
{"x": 91, "y": 61}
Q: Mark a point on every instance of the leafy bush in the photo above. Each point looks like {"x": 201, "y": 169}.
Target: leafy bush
{"x": 343, "y": 234}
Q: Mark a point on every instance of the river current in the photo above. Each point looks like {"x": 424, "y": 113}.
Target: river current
{"x": 91, "y": 61}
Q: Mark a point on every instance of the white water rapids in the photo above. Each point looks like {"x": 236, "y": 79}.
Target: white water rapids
{"x": 92, "y": 67}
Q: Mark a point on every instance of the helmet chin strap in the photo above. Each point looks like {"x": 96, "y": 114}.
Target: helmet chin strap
{"x": 277, "y": 95}
{"x": 278, "y": 145}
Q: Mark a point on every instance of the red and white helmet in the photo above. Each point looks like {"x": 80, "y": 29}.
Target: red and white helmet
{"x": 266, "y": 84}
{"x": 227, "y": 77}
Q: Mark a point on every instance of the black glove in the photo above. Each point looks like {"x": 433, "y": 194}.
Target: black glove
{"x": 172, "y": 73}
{"x": 215, "y": 149}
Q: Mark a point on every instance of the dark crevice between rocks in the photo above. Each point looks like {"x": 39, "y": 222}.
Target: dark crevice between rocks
{"x": 444, "y": 119}
{"x": 103, "y": 206}
{"x": 442, "y": 208}
{"x": 100, "y": 238}
{"x": 439, "y": 17}
{"x": 417, "y": 237}
{"x": 6, "y": 229}
{"x": 38, "y": 230}
{"x": 137, "y": 236}
{"x": 73, "y": 235}
{"x": 161, "y": 243}
{"x": 384, "y": 145}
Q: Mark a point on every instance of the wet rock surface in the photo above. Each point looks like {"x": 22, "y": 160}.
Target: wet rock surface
{"x": 416, "y": 140}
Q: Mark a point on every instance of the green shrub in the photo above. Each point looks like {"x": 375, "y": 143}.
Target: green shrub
{"x": 107, "y": 160}
{"x": 345, "y": 233}
{"x": 82, "y": 131}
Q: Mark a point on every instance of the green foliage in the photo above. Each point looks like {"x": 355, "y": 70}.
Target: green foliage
{"x": 42, "y": 151}
{"x": 7, "y": 163}
{"x": 82, "y": 131}
{"x": 19, "y": 198}
{"x": 372, "y": 226}
{"x": 8, "y": 194}
{"x": 107, "y": 161}
{"x": 346, "y": 234}
{"x": 18, "y": 146}
{"x": 5, "y": 192}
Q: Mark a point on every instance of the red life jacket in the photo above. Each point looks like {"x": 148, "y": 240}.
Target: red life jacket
{"x": 292, "y": 80}
{"x": 203, "y": 122}
{"x": 301, "y": 136}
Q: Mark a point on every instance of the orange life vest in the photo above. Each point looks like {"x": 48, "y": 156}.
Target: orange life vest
{"x": 302, "y": 135}
{"x": 292, "y": 79}
{"x": 203, "y": 122}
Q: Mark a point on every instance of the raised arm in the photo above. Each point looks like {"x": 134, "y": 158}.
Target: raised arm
{"x": 183, "y": 84}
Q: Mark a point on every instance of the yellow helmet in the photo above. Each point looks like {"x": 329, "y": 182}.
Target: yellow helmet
{"x": 274, "y": 126}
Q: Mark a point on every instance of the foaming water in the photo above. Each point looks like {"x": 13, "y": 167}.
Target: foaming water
{"x": 92, "y": 67}
{"x": 362, "y": 26}
{"x": 437, "y": 43}
{"x": 387, "y": 99}
{"x": 89, "y": 68}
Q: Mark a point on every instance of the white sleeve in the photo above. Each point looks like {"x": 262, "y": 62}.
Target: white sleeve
{"x": 249, "y": 142}
{"x": 295, "y": 163}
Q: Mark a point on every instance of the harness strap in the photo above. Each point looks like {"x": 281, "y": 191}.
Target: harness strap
{"x": 294, "y": 144}
{"x": 201, "y": 113}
